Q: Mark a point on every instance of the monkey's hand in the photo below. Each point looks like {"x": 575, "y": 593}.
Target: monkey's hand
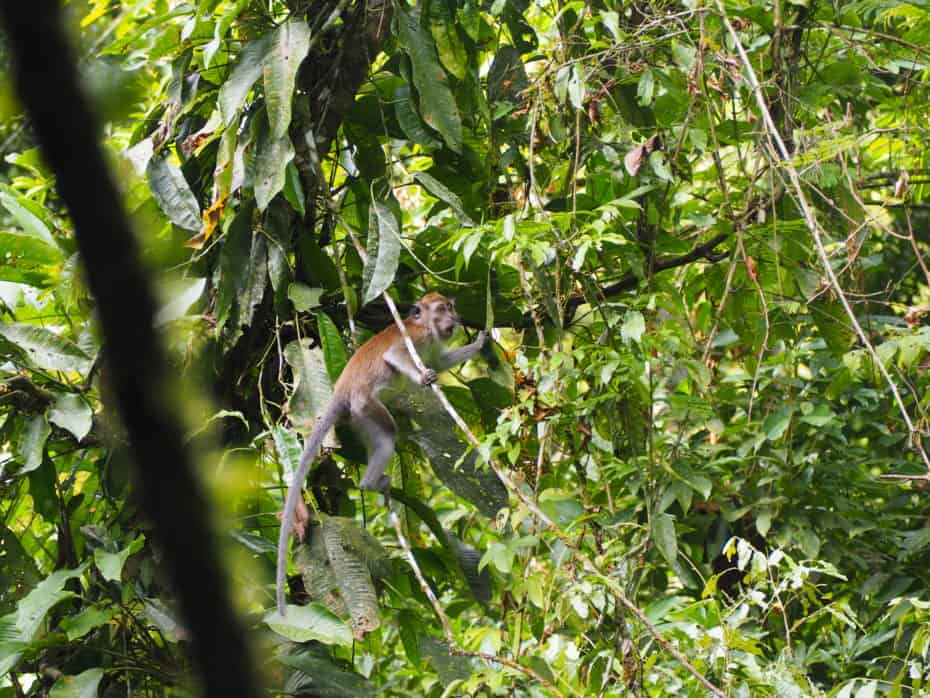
{"x": 481, "y": 339}
{"x": 428, "y": 377}
{"x": 300, "y": 521}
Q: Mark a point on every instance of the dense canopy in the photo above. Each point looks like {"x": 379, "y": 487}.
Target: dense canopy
{"x": 693, "y": 458}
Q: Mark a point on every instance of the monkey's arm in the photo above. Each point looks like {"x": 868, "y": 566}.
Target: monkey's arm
{"x": 448, "y": 359}
{"x": 398, "y": 358}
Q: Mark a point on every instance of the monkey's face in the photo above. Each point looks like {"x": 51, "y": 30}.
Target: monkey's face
{"x": 437, "y": 312}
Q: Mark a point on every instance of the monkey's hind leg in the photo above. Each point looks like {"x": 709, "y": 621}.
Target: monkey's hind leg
{"x": 376, "y": 427}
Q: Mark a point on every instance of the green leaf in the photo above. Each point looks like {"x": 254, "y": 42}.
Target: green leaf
{"x": 72, "y": 414}
{"x": 84, "y": 685}
{"x": 248, "y": 69}
{"x": 437, "y": 103}
{"x": 334, "y": 350}
{"x": 32, "y": 225}
{"x": 289, "y": 47}
{"x": 383, "y": 252}
{"x": 443, "y": 193}
{"x": 311, "y": 622}
{"x": 408, "y": 117}
{"x": 183, "y": 294}
{"x": 28, "y": 259}
{"x": 46, "y": 349}
{"x": 293, "y": 190}
{"x": 111, "y": 564}
{"x": 271, "y": 161}
{"x": 777, "y": 423}
{"x": 30, "y": 612}
{"x": 634, "y": 327}
{"x": 31, "y": 445}
{"x": 77, "y": 626}
{"x": 449, "y": 45}
{"x": 304, "y": 297}
{"x": 663, "y": 533}
{"x": 313, "y": 390}
{"x": 172, "y": 193}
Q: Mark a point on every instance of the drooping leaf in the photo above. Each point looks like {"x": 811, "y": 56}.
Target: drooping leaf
{"x": 84, "y": 685}
{"x": 443, "y": 193}
{"x": 334, "y": 350}
{"x": 77, "y": 626}
{"x": 310, "y": 622}
{"x": 271, "y": 160}
{"x": 71, "y": 413}
{"x": 313, "y": 390}
{"x": 236, "y": 87}
{"x": 28, "y": 259}
{"x": 289, "y": 47}
{"x": 383, "y": 252}
{"x": 411, "y": 123}
{"x": 32, "y": 225}
{"x": 183, "y": 294}
{"x": 31, "y": 445}
{"x": 317, "y": 674}
{"x": 30, "y": 612}
{"x": 172, "y": 193}
{"x": 437, "y": 102}
{"x": 111, "y": 564}
{"x": 449, "y": 44}
{"x": 45, "y": 349}
{"x": 666, "y": 540}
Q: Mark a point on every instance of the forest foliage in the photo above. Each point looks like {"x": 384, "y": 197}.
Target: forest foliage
{"x": 695, "y": 459}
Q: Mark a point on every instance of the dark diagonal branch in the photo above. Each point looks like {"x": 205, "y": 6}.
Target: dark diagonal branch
{"x": 706, "y": 251}
{"x": 171, "y": 494}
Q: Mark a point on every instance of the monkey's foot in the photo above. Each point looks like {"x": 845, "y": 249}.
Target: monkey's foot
{"x": 382, "y": 484}
{"x": 428, "y": 377}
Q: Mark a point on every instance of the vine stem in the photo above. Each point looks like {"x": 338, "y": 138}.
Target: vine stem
{"x": 816, "y": 230}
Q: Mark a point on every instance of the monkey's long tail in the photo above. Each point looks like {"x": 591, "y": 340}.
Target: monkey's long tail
{"x": 333, "y": 413}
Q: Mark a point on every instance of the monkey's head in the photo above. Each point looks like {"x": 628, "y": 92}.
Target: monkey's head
{"x": 437, "y": 314}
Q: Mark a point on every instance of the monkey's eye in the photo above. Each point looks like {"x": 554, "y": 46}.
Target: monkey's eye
{"x": 416, "y": 310}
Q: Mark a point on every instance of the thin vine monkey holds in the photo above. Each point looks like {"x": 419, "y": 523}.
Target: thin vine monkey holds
{"x": 381, "y": 362}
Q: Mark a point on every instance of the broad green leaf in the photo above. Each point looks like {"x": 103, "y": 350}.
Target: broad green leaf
{"x": 634, "y": 327}
{"x": 77, "y": 626}
{"x": 443, "y": 193}
{"x": 383, "y": 252}
{"x": 111, "y": 564}
{"x": 437, "y": 102}
{"x": 449, "y": 45}
{"x": 234, "y": 257}
{"x": 665, "y": 538}
{"x": 313, "y": 390}
{"x": 304, "y": 297}
{"x": 183, "y": 294}
{"x": 31, "y": 611}
{"x": 408, "y": 117}
{"x": 334, "y": 350}
{"x": 71, "y": 413}
{"x": 28, "y": 259}
{"x": 46, "y": 349}
{"x": 289, "y": 47}
{"x": 777, "y": 423}
{"x": 84, "y": 685}
{"x": 271, "y": 161}
{"x": 31, "y": 445}
{"x": 310, "y": 622}
{"x": 293, "y": 189}
{"x": 248, "y": 69}
{"x": 172, "y": 193}
{"x": 30, "y": 222}
{"x": 317, "y": 674}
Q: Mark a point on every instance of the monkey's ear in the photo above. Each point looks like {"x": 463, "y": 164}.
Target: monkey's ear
{"x": 416, "y": 311}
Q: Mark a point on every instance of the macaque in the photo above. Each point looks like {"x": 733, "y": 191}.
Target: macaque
{"x": 380, "y": 363}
